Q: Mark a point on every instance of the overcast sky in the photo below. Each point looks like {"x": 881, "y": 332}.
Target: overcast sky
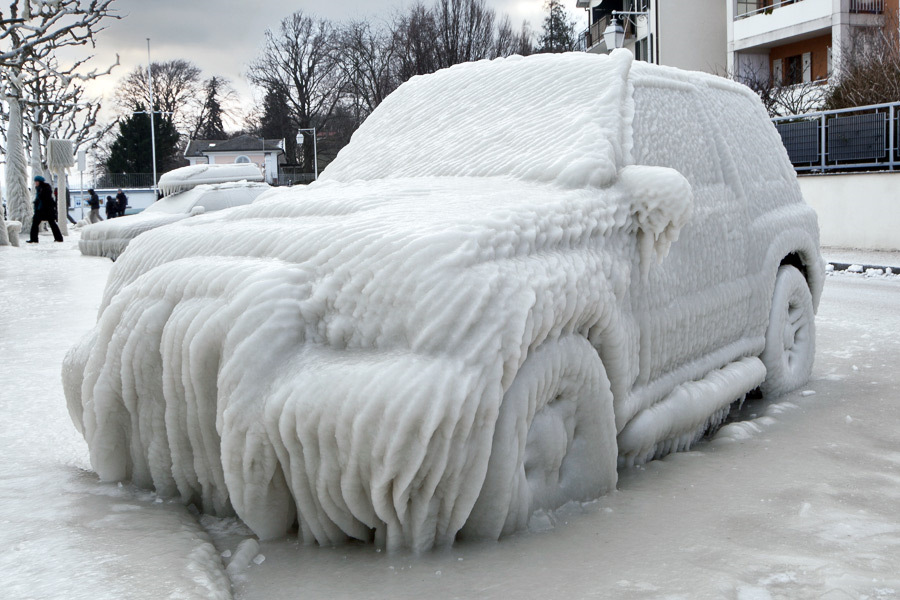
{"x": 222, "y": 36}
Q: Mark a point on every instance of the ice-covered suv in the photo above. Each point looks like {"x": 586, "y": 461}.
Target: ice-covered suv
{"x": 517, "y": 272}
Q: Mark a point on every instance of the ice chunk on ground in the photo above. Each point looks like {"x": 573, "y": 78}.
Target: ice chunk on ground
{"x": 246, "y": 552}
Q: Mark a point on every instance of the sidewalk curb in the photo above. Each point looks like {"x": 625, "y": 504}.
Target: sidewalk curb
{"x": 842, "y": 266}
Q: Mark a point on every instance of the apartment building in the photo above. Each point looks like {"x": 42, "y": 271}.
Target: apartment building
{"x": 689, "y": 34}
{"x": 796, "y": 41}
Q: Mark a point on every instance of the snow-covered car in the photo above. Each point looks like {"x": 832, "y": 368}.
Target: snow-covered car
{"x": 191, "y": 191}
{"x": 518, "y": 275}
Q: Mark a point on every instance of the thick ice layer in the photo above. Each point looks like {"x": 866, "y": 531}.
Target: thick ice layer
{"x": 185, "y": 178}
{"x": 511, "y": 263}
{"x": 561, "y": 119}
{"x": 109, "y": 238}
{"x": 341, "y": 351}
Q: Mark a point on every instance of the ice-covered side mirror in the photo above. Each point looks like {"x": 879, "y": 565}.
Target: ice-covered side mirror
{"x": 660, "y": 202}
{"x": 197, "y": 210}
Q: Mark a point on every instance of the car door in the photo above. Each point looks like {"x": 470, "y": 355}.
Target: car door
{"x": 692, "y": 306}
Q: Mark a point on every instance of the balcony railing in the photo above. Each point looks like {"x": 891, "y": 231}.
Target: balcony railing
{"x": 748, "y": 8}
{"x": 593, "y": 35}
{"x": 863, "y": 138}
{"x": 875, "y": 7}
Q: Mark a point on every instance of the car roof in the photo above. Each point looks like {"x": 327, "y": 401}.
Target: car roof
{"x": 546, "y": 118}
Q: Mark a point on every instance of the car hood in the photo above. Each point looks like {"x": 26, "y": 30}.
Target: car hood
{"x": 368, "y": 226}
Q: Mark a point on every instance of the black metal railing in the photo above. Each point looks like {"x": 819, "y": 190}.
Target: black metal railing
{"x": 121, "y": 180}
{"x": 294, "y": 176}
{"x": 875, "y": 7}
{"x": 862, "y": 138}
{"x": 748, "y": 8}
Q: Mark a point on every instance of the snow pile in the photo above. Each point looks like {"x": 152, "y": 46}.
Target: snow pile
{"x": 109, "y": 238}
{"x": 447, "y": 331}
{"x": 185, "y": 178}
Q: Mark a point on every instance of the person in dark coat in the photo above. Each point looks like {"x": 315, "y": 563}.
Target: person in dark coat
{"x": 122, "y": 201}
{"x": 112, "y": 208}
{"x": 44, "y": 210}
{"x": 94, "y": 203}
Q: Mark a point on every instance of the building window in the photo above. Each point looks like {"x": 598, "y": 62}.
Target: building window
{"x": 793, "y": 70}
{"x": 642, "y": 49}
{"x": 242, "y": 159}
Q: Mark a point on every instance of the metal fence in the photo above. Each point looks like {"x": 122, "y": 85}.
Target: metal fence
{"x": 294, "y": 176}
{"x": 119, "y": 180}
{"x": 862, "y": 138}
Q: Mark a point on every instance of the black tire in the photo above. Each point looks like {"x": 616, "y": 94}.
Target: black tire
{"x": 791, "y": 334}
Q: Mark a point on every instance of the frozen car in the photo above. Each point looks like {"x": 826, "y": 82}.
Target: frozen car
{"x": 190, "y": 191}
{"x": 518, "y": 274}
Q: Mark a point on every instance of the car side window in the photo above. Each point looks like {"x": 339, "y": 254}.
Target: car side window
{"x": 670, "y": 131}
{"x": 762, "y": 167}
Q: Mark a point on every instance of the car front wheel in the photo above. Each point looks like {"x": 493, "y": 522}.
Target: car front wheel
{"x": 791, "y": 335}
{"x": 554, "y": 440}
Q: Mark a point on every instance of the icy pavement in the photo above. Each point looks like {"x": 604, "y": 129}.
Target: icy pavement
{"x": 798, "y": 501}
{"x": 63, "y": 534}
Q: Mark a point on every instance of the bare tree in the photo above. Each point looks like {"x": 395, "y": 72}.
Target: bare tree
{"x": 509, "y": 42}
{"x": 782, "y": 99}
{"x": 176, "y": 89}
{"x": 31, "y": 33}
{"x": 465, "y": 31}
{"x": 868, "y": 67}
{"x": 300, "y": 59}
{"x": 368, "y": 60}
{"x": 414, "y": 38}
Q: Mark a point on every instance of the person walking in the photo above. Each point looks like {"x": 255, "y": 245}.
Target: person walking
{"x": 122, "y": 201}
{"x": 94, "y": 203}
{"x": 44, "y": 210}
{"x": 111, "y": 208}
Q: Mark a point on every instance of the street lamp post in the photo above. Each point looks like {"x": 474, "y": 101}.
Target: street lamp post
{"x": 614, "y": 34}
{"x": 152, "y": 128}
{"x": 315, "y": 154}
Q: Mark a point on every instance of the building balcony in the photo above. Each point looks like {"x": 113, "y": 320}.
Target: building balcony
{"x": 780, "y": 22}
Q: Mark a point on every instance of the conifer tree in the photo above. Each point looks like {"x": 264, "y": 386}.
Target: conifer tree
{"x": 558, "y": 33}
{"x": 131, "y": 151}
{"x": 209, "y": 122}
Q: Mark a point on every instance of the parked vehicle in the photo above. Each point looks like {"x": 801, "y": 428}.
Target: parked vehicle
{"x": 192, "y": 191}
{"x": 518, "y": 275}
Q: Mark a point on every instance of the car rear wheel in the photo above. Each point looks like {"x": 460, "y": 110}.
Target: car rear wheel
{"x": 791, "y": 335}
{"x": 554, "y": 440}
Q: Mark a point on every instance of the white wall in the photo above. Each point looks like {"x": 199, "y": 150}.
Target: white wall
{"x": 856, "y": 210}
{"x": 693, "y": 35}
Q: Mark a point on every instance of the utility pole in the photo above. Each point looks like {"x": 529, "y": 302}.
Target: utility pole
{"x": 152, "y": 109}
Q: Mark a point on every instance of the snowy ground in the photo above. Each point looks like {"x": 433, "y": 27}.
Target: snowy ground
{"x": 797, "y": 501}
